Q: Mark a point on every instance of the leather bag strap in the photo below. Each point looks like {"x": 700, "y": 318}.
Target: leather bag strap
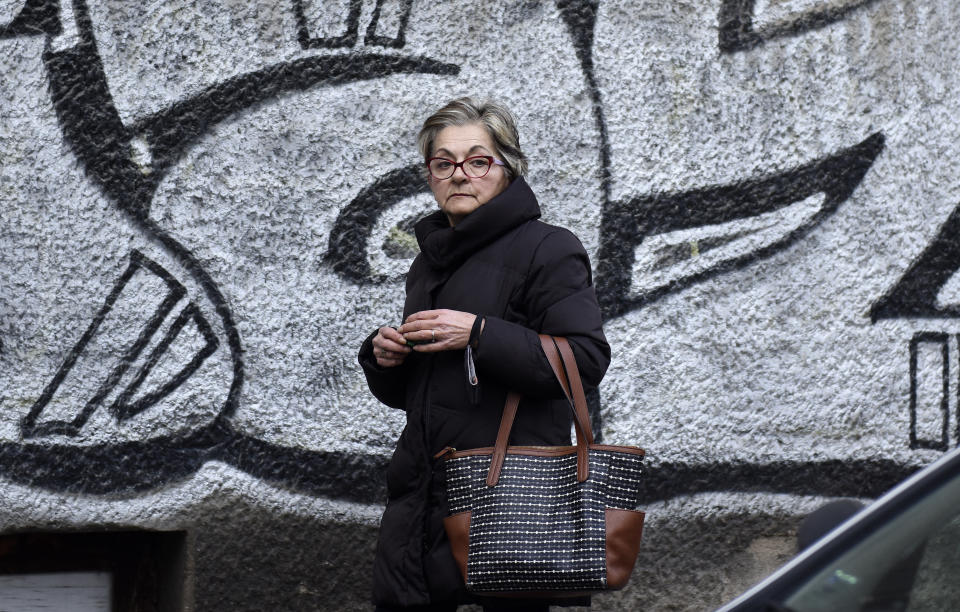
{"x": 503, "y": 436}
{"x": 571, "y": 374}
{"x": 579, "y": 399}
{"x": 564, "y": 367}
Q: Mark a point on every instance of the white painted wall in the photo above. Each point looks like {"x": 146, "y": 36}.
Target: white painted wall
{"x": 211, "y": 141}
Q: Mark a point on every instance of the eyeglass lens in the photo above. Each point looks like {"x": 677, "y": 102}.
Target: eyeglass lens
{"x": 474, "y": 167}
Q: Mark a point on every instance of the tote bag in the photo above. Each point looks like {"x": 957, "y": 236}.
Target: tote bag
{"x": 545, "y": 521}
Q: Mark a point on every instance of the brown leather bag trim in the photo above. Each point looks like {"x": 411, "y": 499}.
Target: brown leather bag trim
{"x": 624, "y": 529}
{"x": 541, "y": 451}
{"x": 633, "y": 450}
{"x": 457, "y": 527}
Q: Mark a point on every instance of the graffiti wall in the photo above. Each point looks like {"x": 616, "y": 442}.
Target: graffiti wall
{"x": 206, "y": 206}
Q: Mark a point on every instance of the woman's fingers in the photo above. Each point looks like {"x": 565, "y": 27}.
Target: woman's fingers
{"x": 431, "y": 341}
{"x": 438, "y": 330}
{"x": 426, "y": 315}
{"x": 419, "y": 325}
{"x": 389, "y": 347}
{"x": 390, "y": 338}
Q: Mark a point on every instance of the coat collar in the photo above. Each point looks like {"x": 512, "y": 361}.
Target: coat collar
{"x": 444, "y": 247}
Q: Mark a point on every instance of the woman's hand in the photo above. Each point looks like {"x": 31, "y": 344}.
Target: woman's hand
{"x": 389, "y": 347}
{"x": 438, "y": 330}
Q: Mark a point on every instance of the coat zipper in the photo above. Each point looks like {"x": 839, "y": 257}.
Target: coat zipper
{"x": 473, "y": 383}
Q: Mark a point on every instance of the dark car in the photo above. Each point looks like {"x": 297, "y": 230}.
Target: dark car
{"x": 901, "y": 552}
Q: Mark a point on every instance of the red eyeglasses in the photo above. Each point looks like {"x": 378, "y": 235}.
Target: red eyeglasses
{"x": 476, "y": 166}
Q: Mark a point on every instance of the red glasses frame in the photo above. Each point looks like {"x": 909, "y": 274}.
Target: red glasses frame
{"x": 493, "y": 161}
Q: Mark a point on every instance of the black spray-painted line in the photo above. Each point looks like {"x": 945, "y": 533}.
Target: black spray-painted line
{"x": 97, "y": 135}
{"x": 174, "y": 129}
{"x": 355, "y": 477}
{"x": 372, "y": 38}
{"x": 360, "y": 477}
{"x": 211, "y": 290}
{"x": 348, "y": 243}
{"x": 915, "y": 294}
{"x": 92, "y": 127}
{"x": 581, "y": 19}
{"x": 125, "y": 467}
{"x": 939, "y": 339}
{"x": 626, "y": 224}
{"x": 145, "y": 465}
{"x": 134, "y": 467}
{"x": 123, "y": 409}
{"x": 352, "y": 26}
{"x": 36, "y": 17}
{"x": 175, "y": 292}
{"x": 352, "y": 23}
{"x": 830, "y": 478}
{"x": 139, "y": 465}
{"x": 736, "y": 31}
{"x": 347, "y": 39}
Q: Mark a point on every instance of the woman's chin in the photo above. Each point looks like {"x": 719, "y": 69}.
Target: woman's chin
{"x": 460, "y": 207}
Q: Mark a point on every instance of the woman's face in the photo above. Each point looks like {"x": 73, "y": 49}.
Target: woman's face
{"x": 460, "y": 195}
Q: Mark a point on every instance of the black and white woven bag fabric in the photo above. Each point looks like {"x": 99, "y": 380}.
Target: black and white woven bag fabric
{"x": 539, "y": 529}
{"x": 540, "y": 517}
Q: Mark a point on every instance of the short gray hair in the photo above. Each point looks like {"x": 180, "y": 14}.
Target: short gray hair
{"x": 495, "y": 118}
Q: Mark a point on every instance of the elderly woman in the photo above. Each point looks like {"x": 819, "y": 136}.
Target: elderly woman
{"x": 489, "y": 277}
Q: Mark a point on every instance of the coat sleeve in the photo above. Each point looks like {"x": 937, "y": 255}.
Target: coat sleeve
{"x": 559, "y": 299}
{"x": 389, "y": 385}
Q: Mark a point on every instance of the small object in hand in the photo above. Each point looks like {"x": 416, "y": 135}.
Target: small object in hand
{"x": 406, "y": 341}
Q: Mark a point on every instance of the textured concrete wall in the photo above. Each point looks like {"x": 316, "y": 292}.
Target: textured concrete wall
{"x": 206, "y": 205}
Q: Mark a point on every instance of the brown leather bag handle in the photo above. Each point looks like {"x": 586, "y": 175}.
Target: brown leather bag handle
{"x": 572, "y": 374}
{"x": 564, "y": 367}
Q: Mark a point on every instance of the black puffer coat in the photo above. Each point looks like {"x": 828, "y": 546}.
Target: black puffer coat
{"x": 525, "y": 277}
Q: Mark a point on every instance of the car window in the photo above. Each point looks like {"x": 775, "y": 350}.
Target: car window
{"x": 936, "y": 587}
{"x": 911, "y": 563}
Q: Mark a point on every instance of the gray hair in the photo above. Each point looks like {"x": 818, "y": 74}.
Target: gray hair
{"x": 495, "y": 118}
